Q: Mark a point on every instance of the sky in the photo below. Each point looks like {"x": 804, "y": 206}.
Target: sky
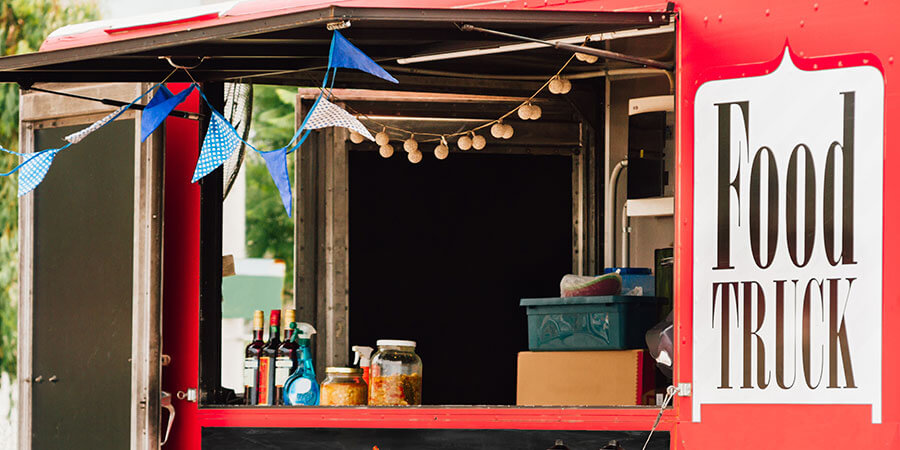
{"x": 113, "y": 9}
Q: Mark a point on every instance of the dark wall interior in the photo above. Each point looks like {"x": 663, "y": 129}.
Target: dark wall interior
{"x": 442, "y": 251}
{"x": 84, "y": 238}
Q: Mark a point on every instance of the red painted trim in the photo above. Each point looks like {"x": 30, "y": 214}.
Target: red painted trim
{"x": 517, "y": 418}
{"x": 149, "y": 26}
{"x": 802, "y": 63}
{"x": 181, "y": 285}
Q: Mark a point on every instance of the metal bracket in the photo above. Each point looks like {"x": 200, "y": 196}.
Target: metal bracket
{"x": 331, "y": 26}
{"x": 684, "y": 389}
{"x": 190, "y": 395}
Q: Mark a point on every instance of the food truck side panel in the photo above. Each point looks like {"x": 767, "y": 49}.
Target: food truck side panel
{"x": 742, "y": 40}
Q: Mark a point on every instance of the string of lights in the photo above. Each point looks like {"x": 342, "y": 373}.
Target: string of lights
{"x": 469, "y": 138}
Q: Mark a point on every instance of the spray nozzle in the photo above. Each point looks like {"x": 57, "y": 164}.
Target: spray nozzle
{"x": 362, "y": 355}
{"x": 302, "y": 331}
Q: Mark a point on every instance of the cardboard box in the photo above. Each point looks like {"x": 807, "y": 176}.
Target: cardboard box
{"x": 593, "y": 378}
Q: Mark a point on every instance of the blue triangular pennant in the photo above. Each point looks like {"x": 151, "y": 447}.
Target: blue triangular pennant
{"x": 34, "y": 169}
{"x": 345, "y": 54}
{"x": 219, "y": 143}
{"x": 276, "y": 162}
{"x": 159, "y": 108}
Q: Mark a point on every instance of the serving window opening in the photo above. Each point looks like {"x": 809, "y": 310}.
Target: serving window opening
{"x": 528, "y": 272}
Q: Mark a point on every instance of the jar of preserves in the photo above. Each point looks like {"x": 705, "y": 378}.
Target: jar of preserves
{"x": 395, "y": 377}
{"x": 343, "y": 386}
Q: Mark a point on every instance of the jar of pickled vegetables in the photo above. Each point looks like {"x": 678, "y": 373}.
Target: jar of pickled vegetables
{"x": 343, "y": 386}
{"x": 395, "y": 377}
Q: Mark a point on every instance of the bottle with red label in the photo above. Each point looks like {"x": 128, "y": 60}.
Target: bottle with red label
{"x": 267, "y": 361}
{"x": 286, "y": 357}
{"x": 251, "y": 361}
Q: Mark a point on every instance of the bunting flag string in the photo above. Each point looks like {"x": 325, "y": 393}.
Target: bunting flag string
{"x": 221, "y": 139}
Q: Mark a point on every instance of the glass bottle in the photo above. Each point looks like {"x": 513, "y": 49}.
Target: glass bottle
{"x": 396, "y": 374}
{"x": 267, "y": 361}
{"x": 286, "y": 356}
{"x": 251, "y": 360}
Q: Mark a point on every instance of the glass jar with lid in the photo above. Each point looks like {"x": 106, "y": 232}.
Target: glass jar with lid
{"x": 343, "y": 386}
{"x": 395, "y": 377}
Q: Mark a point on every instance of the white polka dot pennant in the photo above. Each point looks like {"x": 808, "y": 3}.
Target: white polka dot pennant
{"x": 327, "y": 114}
{"x": 76, "y": 137}
{"x": 220, "y": 141}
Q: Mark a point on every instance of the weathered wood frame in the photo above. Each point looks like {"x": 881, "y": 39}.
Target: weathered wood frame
{"x": 321, "y": 228}
{"x": 39, "y": 111}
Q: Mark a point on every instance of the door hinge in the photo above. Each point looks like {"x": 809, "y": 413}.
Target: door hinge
{"x": 190, "y": 395}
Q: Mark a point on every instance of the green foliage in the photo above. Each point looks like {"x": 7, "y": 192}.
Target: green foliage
{"x": 270, "y": 232}
{"x": 24, "y": 24}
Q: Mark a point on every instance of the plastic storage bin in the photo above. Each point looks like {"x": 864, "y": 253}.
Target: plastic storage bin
{"x": 613, "y": 322}
{"x": 635, "y": 280}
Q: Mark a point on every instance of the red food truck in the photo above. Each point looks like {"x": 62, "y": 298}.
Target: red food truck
{"x": 767, "y": 172}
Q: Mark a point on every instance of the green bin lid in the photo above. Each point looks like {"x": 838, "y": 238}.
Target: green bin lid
{"x": 602, "y": 299}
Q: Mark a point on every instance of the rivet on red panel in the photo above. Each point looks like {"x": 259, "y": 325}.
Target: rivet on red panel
{"x": 891, "y": 59}
{"x": 840, "y": 64}
{"x": 815, "y": 6}
{"x": 815, "y": 66}
{"x": 865, "y": 60}
{"x": 801, "y": 24}
{"x": 767, "y": 13}
{"x": 720, "y": 17}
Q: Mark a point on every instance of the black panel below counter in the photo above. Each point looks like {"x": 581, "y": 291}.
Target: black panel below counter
{"x": 421, "y": 439}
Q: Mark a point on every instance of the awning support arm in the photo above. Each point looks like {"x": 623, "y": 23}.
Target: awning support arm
{"x": 646, "y": 62}
{"x": 107, "y": 101}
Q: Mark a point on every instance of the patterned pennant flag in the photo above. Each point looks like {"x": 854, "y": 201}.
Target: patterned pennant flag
{"x": 219, "y": 143}
{"x": 345, "y": 54}
{"x": 76, "y": 137}
{"x": 34, "y": 169}
{"x": 276, "y": 162}
{"x": 327, "y": 114}
{"x": 159, "y": 107}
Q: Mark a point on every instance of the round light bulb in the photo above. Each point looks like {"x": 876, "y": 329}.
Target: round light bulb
{"x": 497, "y": 130}
{"x": 508, "y": 131}
{"x": 382, "y": 138}
{"x": 464, "y": 143}
{"x": 414, "y": 157}
{"x": 584, "y": 57}
{"x": 525, "y": 111}
{"x": 566, "y": 86}
{"x": 386, "y": 151}
{"x": 556, "y": 85}
{"x": 535, "y": 112}
{"x": 478, "y": 142}
{"x": 410, "y": 145}
{"x": 441, "y": 151}
{"x": 356, "y": 138}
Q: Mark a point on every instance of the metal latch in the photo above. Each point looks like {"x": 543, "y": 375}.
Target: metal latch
{"x": 190, "y": 395}
{"x": 684, "y": 389}
{"x": 165, "y": 401}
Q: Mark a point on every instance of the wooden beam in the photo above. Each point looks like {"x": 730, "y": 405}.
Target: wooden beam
{"x": 305, "y": 226}
{"x": 337, "y": 237}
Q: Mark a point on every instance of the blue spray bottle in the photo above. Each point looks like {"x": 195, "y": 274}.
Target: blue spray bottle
{"x": 302, "y": 388}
